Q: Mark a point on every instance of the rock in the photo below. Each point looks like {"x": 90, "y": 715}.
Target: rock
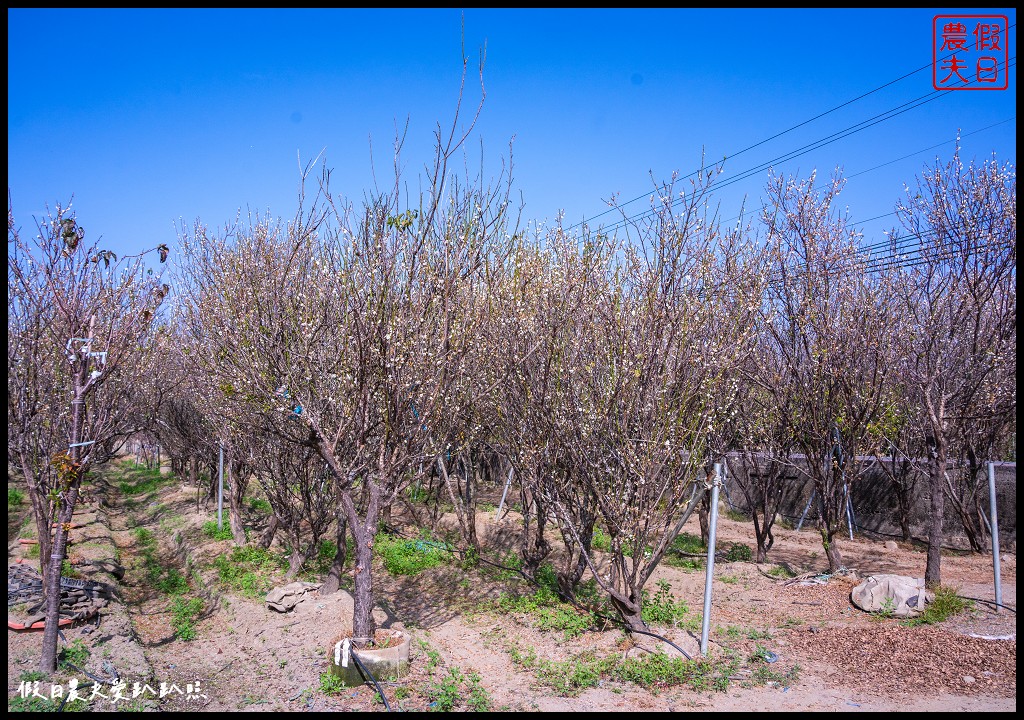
{"x": 968, "y": 679}
{"x": 285, "y": 598}
{"x": 891, "y": 545}
{"x": 893, "y": 595}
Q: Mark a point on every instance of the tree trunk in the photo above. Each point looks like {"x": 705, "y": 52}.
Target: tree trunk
{"x": 828, "y": 532}
{"x": 297, "y": 558}
{"x": 235, "y": 493}
{"x": 268, "y": 535}
{"x": 364, "y": 530}
{"x": 214, "y": 466}
{"x": 535, "y": 546}
{"x": 704, "y": 518}
{"x": 629, "y": 610}
{"x": 903, "y": 497}
{"x": 332, "y": 583}
{"x": 48, "y": 660}
{"x": 936, "y": 481}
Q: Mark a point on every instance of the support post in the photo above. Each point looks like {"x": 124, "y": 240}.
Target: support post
{"x": 497, "y": 515}
{"x": 804, "y": 515}
{"x": 995, "y": 533}
{"x": 712, "y": 528}
{"x": 220, "y": 492}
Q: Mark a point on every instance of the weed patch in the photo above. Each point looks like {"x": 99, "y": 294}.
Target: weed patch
{"x": 211, "y": 530}
{"x": 15, "y": 498}
{"x": 664, "y": 609}
{"x": 945, "y": 605}
{"x": 138, "y": 480}
{"x": 658, "y": 670}
{"x": 249, "y": 570}
{"x": 410, "y": 557}
{"x": 184, "y": 614}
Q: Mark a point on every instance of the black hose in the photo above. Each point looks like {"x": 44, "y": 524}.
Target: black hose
{"x": 68, "y": 696}
{"x": 369, "y": 676}
{"x": 988, "y": 602}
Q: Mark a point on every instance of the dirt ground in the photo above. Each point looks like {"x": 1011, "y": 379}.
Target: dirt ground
{"x": 828, "y": 655}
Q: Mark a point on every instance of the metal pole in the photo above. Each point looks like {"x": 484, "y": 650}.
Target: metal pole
{"x": 849, "y": 504}
{"x": 504, "y": 492}
{"x": 995, "y": 532}
{"x": 706, "y": 617}
{"x": 801, "y": 523}
{"x": 220, "y": 492}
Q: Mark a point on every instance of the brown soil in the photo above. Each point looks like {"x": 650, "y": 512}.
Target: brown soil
{"x": 830, "y": 655}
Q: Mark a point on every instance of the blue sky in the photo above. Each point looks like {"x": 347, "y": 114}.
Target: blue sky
{"x": 151, "y": 118}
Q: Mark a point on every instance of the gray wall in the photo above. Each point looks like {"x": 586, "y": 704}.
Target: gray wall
{"x": 875, "y": 506}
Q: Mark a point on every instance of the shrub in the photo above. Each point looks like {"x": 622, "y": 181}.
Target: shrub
{"x": 211, "y": 530}
{"x": 74, "y": 654}
{"x": 945, "y": 605}
{"x": 663, "y": 608}
{"x": 410, "y": 557}
{"x": 15, "y": 498}
{"x": 184, "y": 614}
{"x": 738, "y": 552}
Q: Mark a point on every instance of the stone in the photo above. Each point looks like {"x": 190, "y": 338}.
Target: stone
{"x": 285, "y": 598}
{"x": 891, "y": 545}
{"x": 893, "y": 595}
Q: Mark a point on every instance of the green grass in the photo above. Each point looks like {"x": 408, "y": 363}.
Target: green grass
{"x": 410, "y": 557}
{"x": 75, "y": 653}
{"x": 569, "y": 677}
{"x": 682, "y": 547}
{"x": 68, "y": 570}
{"x": 40, "y": 704}
{"x": 738, "y": 552}
{"x": 249, "y": 570}
{"x": 260, "y": 505}
{"x": 545, "y": 610}
{"x": 211, "y": 530}
{"x": 764, "y": 673}
{"x": 15, "y": 497}
{"x": 658, "y": 670}
{"x": 455, "y": 690}
{"x": 331, "y": 684}
{"x": 663, "y": 609}
{"x": 184, "y": 614}
{"x": 138, "y": 480}
{"x": 945, "y": 605}
{"x": 173, "y": 583}
{"x": 781, "y": 572}
{"x": 601, "y": 541}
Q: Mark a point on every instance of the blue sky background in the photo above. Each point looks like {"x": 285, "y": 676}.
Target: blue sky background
{"x": 151, "y": 118}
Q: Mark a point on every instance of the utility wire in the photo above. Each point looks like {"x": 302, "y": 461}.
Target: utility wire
{"x": 810, "y": 147}
{"x": 841, "y": 134}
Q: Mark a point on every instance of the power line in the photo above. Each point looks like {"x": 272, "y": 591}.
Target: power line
{"x": 815, "y": 145}
{"x": 794, "y": 127}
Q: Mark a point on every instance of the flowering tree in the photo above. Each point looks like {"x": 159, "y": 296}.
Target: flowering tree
{"x": 612, "y": 410}
{"x": 80, "y": 327}
{"x": 347, "y": 331}
{"x": 959, "y": 305}
{"x": 827, "y": 323}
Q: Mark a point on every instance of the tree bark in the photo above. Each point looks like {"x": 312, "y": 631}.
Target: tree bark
{"x": 936, "y": 480}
